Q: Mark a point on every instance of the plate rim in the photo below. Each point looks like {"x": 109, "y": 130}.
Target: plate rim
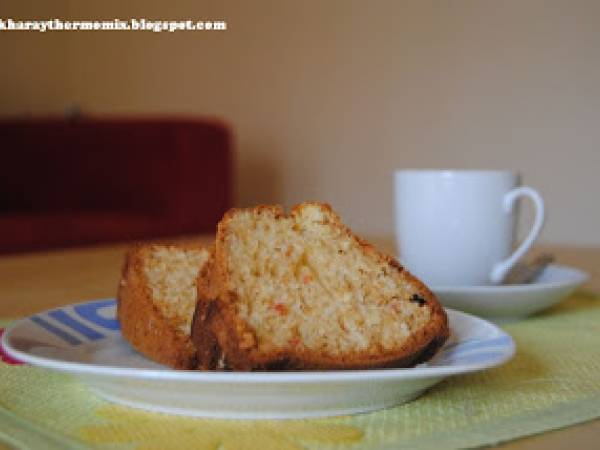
{"x": 249, "y": 378}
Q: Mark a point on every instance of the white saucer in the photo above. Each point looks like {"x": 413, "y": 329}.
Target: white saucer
{"x": 510, "y": 302}
{"x": 85, "y": 340}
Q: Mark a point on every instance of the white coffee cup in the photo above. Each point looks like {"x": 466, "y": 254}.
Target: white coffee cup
{"x": 457, "y": 227}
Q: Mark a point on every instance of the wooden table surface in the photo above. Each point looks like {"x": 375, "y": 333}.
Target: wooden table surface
{"x": 34, "y": 282}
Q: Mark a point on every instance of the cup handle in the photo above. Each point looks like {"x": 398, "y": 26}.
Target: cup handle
{"x": 501, "y": 269}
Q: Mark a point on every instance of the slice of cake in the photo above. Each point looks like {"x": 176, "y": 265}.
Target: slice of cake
{"x": 303, "y": 292}
{"x": 156, "y": 301}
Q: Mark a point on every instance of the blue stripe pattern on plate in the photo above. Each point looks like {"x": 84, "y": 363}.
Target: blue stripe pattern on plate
{"x": 90, "y": 312}
{"x": 61, "y": 316}
{"x": 56, "y": 331}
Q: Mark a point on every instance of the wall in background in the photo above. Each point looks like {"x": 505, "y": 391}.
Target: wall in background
{"x": 327, "y": 98}
{"x": 33, "y": 66}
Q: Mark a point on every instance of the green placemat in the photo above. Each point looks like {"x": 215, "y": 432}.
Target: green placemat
{"x": 552, "y": 382}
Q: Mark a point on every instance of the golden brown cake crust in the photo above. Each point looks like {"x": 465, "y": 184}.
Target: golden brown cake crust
{"x": 221, "y": 335}
{"x": 142, "y": 324}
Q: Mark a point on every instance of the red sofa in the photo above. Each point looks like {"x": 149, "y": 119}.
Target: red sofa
{"x": 67, "y": 183}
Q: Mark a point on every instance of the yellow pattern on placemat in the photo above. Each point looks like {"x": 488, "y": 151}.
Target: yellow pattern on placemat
{"x": 552, "y": 382}
{"x": 125, "y": 425}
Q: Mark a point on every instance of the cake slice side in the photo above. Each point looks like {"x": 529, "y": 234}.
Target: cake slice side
{"x": 156, "y": 300}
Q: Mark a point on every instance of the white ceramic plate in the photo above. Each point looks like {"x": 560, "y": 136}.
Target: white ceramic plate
{"x": 84, "y": 340}
{"x": 510, "y": 302}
